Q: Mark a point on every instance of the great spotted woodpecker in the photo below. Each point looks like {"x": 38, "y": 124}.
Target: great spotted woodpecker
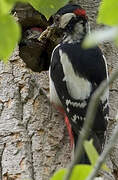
{"x": 75, "y": 73}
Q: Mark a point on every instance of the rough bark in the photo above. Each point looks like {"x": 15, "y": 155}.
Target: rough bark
{"x": 33, "y": 138}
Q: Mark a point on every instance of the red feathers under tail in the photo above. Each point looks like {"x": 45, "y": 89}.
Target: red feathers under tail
{"x": 69, "y": 130}
{"x": 61, "y": 110}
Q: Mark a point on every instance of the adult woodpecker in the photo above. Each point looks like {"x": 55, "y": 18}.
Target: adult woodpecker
{"x": 75, "y": 73}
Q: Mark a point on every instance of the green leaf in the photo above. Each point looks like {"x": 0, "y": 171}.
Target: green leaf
{"x": 9, "y": 36}
{"x": 100, "y": 36}
{"x": 5, "y": 7}
{"x": 14, "y": 1}
{"x": 108, "y": 12}
{"x": 93, "y": 154}
{"x": 59, "y": 175}
{"x": 81, "y": 172}
{"x": 48, "y": 7}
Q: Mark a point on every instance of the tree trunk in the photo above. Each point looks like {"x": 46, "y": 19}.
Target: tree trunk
{"x": 34, "y": 142}
{"x": 33, "y": 137}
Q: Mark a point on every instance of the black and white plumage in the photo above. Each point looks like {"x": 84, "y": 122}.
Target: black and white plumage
{"x": 75, "y": 73}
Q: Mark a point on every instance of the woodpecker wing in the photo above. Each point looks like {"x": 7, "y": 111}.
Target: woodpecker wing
{"x": 76, "y": 73}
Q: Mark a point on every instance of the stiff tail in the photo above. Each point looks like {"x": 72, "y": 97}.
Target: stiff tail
{"x": 98, "y": 141}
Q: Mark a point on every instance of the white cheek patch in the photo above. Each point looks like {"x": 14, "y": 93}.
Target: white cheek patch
{"x": 65, "y": 19}
{"x": 78, "y": 28}
{"x": 78, "y": 87}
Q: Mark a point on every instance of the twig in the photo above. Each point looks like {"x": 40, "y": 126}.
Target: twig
{"x": 89, "y": 121}
{"x": 104, "y": 154}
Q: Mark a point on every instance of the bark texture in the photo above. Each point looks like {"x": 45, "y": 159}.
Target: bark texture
{"x": 33, "y": 138}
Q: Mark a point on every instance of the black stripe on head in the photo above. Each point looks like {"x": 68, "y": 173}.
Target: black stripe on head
{"x": 68, "y": 9}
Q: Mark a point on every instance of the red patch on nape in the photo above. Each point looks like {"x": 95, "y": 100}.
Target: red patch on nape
{"x": 36, "y": 29}
{"x": 80, "y": 12}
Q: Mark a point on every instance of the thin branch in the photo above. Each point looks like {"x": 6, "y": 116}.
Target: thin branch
{"x": 104, "y": 154}
{"x": 89, "y": 121}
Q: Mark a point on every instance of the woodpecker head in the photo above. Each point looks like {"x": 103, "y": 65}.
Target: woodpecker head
{"x": 73, "y": 21}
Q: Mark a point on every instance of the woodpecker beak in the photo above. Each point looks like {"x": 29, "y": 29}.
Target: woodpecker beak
{"x": 53, "y": 32}
{"x": 54, "y": 25}
{"x": 49, "y": 34}
{"x": 60, "y": 22}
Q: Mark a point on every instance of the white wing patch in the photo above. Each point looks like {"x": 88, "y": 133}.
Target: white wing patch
{"x": 78, "y": 87}
{"x": 65, "y": 19}
{"x": 76, "y": 104}
{"x": 76, "y": 118}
